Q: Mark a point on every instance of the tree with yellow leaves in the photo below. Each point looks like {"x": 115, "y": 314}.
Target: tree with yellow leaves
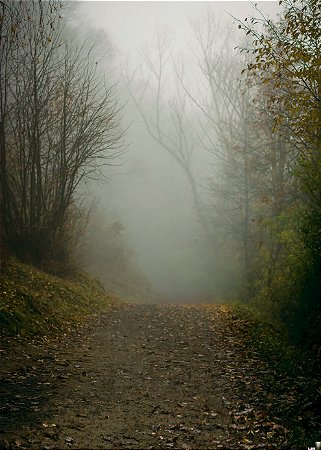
{"x": 286, "y": 60}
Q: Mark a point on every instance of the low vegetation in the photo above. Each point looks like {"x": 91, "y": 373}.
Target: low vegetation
{"x": 36, "y": 304}
{"x": 290, "y": 380}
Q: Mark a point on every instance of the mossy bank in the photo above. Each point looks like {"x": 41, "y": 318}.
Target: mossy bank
{"x": 36, "y": 304}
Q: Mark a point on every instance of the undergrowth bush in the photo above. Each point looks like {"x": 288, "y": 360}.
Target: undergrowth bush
{"x": 286, "y": 283}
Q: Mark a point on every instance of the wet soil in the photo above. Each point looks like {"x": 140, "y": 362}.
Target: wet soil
{"x": 140, "y": 376}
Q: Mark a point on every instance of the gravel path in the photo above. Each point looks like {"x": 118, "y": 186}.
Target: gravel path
{"x": 143, "y": 377}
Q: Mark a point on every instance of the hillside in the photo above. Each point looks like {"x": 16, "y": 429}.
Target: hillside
{"x": 36, "y": 304}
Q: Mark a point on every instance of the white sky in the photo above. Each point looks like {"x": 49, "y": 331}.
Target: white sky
{"x": 131, "y": 23}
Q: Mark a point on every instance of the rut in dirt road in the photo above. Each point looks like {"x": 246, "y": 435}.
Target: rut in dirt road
{"x": 144, "y": 377}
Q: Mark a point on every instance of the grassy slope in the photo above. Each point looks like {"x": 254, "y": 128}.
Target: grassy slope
{"x": 293, "y": 378}
{"x": 34, "y": 303}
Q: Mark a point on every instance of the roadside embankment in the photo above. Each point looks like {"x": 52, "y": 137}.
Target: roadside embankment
{"x": 35, "y": 304}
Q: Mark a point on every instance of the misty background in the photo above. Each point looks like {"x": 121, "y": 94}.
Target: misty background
{"x": 146, "y": 199}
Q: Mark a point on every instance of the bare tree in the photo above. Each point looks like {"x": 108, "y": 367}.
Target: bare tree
{"x": 16, "y": 19}
{"x": 254, "y": 162}
{"x": 165, "y": 109}
{"x": 62, "y": 124}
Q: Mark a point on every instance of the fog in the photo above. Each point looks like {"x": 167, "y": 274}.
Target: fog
{"x": 146, "y": 191}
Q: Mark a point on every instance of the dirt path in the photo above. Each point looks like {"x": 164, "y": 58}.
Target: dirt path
{"x": 143, "y": 377}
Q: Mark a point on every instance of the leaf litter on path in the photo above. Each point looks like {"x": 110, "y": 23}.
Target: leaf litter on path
{"x": 145, "y": 376}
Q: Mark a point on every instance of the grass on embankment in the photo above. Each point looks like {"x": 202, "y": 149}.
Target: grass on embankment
{"x": 35, "y": 303}
{"x": 293, "y": 377}
{"x": 269, "y": 338}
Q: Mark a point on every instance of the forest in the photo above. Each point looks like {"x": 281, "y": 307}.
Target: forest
{"x": 186, "y": 172}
